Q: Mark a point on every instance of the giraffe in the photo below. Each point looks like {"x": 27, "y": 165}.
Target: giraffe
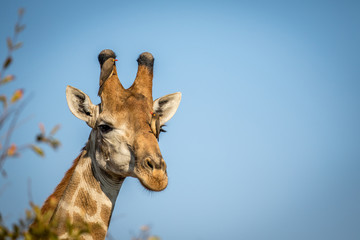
{"x": 122, "y": 143}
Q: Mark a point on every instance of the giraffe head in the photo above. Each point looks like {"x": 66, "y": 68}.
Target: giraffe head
{"x": 125, "y": 125}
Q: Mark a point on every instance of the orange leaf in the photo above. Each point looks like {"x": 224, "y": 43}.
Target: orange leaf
{"x": 7, "y": 79}
{"x": 18, "y": 94}
{"x": 42, "y": 128}
{"x": 21, "y": 11}
{"x": 12, "y": 150}
{"x": 144, "y": 228}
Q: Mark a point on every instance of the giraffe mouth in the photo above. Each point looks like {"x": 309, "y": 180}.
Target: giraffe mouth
{"x": 155, "y": 180}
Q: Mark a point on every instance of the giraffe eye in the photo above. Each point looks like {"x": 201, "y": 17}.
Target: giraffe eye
{"x": 104, "y": 128}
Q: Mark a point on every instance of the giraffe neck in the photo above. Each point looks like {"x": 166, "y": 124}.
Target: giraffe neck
{"x": 88, "y": 199}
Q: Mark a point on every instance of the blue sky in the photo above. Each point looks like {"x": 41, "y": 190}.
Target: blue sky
{"x": 265, "y": 143}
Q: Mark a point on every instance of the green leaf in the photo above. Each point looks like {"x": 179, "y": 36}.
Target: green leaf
{"x": 54, "y": 143}
{"x": 153, "y": 238}
{"x": 37, "y": 150}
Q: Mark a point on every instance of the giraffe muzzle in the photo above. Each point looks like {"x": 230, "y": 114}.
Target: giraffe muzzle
{"x": 152, "y": 174}
{"x": 155, "y": 165}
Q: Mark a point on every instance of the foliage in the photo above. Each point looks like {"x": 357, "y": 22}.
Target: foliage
{"x": 41, "y": 227}
{"x": 13, "y": 105}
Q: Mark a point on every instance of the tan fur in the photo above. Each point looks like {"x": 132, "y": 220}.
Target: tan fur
{"x": 143, "y": 83}
{"x": 87, "y": 177}
{"x": 88, "y": 191}
{"x": 62, "y": 227}
{"x": 78, "y": 206}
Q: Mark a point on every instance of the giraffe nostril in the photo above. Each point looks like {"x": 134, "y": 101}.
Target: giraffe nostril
{"x": 149, "y": 164}
{"x": 152, "y": 164}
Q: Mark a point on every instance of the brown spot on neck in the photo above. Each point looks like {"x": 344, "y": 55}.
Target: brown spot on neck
{"x": 97, "y": 231}
{"x": 105, "y": 214}
{"x": 84, "y": 201}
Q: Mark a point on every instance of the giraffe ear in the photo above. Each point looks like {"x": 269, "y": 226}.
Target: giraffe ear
{"x": 80, "y": 105}
{"x": 166, "y": 106}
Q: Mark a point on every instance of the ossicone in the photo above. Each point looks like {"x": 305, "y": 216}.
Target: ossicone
{"x": 105, "y": 55}
{"x": 146, "y": 59}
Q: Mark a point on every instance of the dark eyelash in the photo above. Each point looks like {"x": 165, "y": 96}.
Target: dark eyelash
{"x": 161, "y": 128}
{"x": 160, "y": 131}
{"x": 105, "y": 128}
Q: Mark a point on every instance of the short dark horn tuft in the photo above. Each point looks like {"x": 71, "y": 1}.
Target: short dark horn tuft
{"x": 146, "y": 59}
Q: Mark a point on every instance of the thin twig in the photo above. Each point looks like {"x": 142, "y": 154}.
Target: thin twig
{"x": 10, "y": 132}
{"x": 25, "y": 120}
{"x": 4, "y": 116}
{"x": 13, "y": 40}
